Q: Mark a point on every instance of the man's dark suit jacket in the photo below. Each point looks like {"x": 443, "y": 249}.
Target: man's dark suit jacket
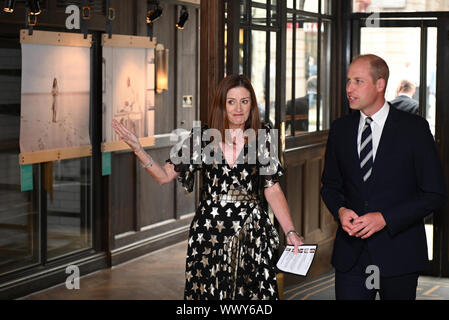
{"x": 406, "y": 103}
{"x": 406, "y": 184}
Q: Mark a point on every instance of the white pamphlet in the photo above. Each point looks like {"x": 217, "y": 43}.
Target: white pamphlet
{"x": 299, "y": 263}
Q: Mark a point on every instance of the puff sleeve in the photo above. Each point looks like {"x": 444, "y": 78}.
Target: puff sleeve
{"x": 270, "y": 168}
{"x": 186, "y": 158}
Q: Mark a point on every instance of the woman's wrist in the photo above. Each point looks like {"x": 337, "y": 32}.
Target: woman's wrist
{"x": 137, "y": 150}
{"x": 145, "y": 159}
{"x": 293, "y": 231}
{"x": 290, "y": 232}
{"x": 147, "y": 164}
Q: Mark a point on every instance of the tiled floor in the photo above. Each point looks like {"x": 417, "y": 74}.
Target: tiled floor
{"x": 323, "y": 288}
{"x": 160, "y": 276}
{"x": 155, "y": 276}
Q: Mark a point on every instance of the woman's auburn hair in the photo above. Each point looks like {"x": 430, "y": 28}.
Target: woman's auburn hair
{"x": 218, "y": 118}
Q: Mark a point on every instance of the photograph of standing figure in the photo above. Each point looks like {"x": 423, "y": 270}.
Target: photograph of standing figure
{"x": 54, "y": 93}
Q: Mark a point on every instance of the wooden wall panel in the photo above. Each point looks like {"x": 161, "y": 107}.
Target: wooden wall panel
{"x": 155, "y": 201}
{"x": 123, "y": 23}
{"x": 327, "y": 220}
{"x": 312, "y": 200}
{"x": 304, "y": 166}
{"x": 164, "y": 31}
{"x": 123, "y": 191}
{"x": 294, "y": 194}
{"x": 187, "y": 73}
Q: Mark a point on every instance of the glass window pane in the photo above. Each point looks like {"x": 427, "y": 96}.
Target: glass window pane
{"x": 243, "y": 16}
{"x": 302, "y": 71}
{"x": 302, "y": 108}
{"x": 431, "y": 77}
{"x": 259, "y": 16}
{"x": 258, "y": 67}
{"x": 289, "y": 73}
{"x": 225, "y": 38}
{"x": 19, "y": 228}
{"x": 399, "y": 5}
{"x": 325, "y": 76}
{"x": 398, "y": 47}
{"x": 430, "y": 113}
{"x": 290, "y": 4}
{"x": 241, "y": 50}
{"x": 273, "y": 14}
{"x": 68, "y": 206}
{"x": 272, "y": 78}
{"x": 309, "y": 78}
{"x": 307, "y": 5}
{"x": 326, "y": 7}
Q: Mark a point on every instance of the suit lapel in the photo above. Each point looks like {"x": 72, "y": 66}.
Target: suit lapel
{"x": 386, "y": 145}
{"x": 353, "y": 151}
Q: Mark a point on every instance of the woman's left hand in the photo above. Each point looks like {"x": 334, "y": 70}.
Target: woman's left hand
{"x": 295, "y": 240}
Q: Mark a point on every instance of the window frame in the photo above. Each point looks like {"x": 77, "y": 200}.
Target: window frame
{"x": 321, "y": 19}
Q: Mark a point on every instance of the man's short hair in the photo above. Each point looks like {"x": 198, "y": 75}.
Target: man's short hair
{"x": 379, "y": 68}
{"x": 406, "y": 86}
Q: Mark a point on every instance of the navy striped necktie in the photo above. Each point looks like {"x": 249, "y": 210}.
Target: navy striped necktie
{"x": 366, "y": 150}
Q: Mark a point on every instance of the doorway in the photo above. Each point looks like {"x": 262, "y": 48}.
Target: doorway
{"x": 411, "y": 48}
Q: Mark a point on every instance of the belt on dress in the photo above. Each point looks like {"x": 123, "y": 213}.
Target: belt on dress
{"x": 233, "y": 195}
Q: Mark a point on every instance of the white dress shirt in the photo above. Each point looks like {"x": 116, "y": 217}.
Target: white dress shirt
{"x": 377, "y": 127}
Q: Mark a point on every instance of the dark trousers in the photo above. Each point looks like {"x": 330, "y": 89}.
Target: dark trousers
{"x": 352, "y": 285}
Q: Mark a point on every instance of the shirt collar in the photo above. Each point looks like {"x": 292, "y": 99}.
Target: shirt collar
{"x": 379, "y": 117}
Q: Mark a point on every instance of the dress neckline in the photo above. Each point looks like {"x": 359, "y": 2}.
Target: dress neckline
{"x": 224, "y": 156}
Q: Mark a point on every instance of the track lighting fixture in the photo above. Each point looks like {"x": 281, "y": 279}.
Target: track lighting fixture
{"x": 182, "y": 18}
{"x": 154, "y": 13}
{"x": 9, "y": 6}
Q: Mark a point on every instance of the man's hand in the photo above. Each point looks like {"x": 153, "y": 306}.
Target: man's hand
{"x": 347, "y": 217}
{"x": 367, "y": 225}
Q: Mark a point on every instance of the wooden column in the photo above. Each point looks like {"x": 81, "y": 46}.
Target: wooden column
{"x": 233, "y": 33}
{"x": 211, "y": 53}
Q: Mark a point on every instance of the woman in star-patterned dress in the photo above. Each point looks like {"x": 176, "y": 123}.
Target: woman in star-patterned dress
{"x": 232, "y": 241}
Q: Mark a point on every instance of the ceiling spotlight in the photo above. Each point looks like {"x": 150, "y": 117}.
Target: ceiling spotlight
{"x": 9, "y": 6}
{"x": 154, "y": 13}
{"x": 183, "y": 18}
{"x": 35, "y": 7}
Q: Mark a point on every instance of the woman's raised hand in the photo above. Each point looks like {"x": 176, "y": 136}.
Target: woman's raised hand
{"x": 127, "y": 136}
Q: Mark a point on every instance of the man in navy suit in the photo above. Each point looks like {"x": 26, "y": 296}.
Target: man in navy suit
{"x": 404, "y": 100}
{"x": 382, "y": 176}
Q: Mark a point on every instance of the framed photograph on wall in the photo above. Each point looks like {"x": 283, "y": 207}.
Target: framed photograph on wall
{"x": 128, "y": 88}
{"x": 55, "y": 96}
